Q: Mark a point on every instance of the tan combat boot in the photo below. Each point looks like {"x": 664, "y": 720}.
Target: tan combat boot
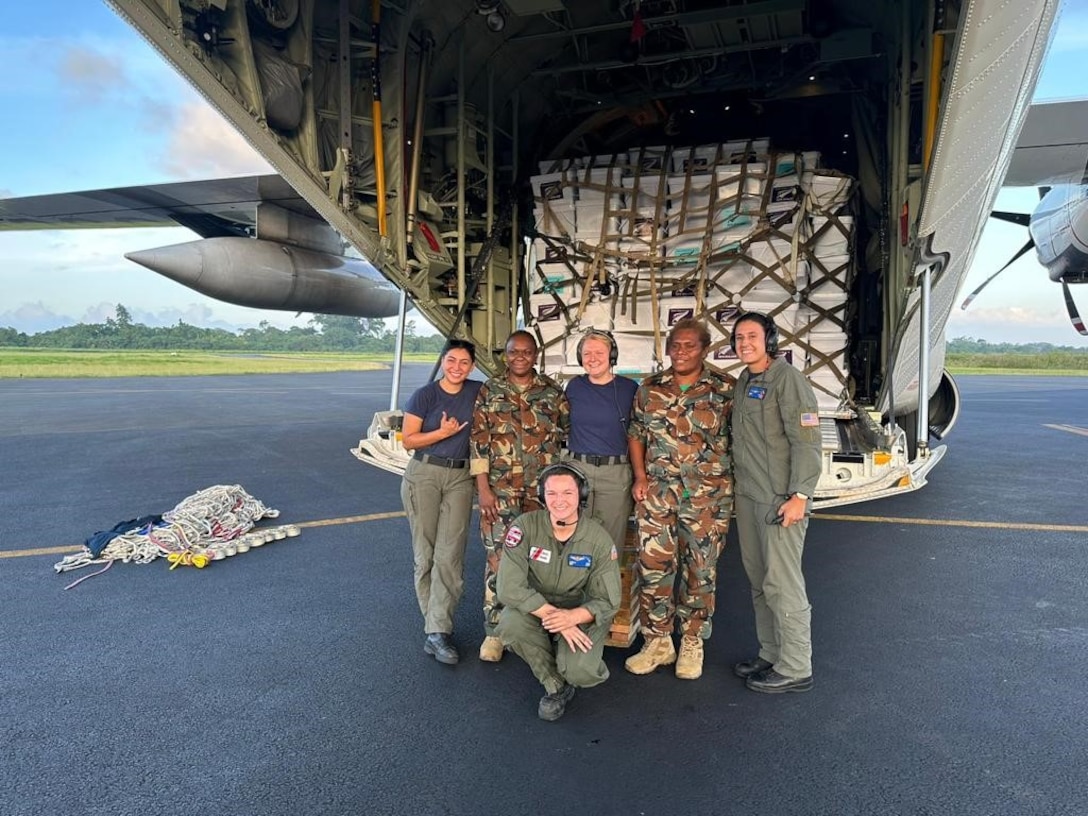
{"x": 656, "y": 651}
{"x": 491, "y": 649}
{"x": 690, "y": 664}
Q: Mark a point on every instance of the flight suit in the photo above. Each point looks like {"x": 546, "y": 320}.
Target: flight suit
{"x": 684, "y": 518}
{"x": 516, "y": 433}
{"x": 776, "y": 453}
{"x": 537, "y": 569}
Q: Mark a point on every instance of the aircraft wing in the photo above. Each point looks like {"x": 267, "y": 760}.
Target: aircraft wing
{"x": 1053, "y": 146}
{"x": 212, "y": 208}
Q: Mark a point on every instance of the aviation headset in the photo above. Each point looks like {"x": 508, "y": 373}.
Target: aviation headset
{"x": 564, "y": 467}
{"x": 770, "y": 331}
{"x": 600, "y": 334}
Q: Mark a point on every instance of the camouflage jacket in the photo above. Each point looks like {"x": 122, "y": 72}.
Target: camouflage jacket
{"x": 686, "y": 432}
{"x": 516, "y": 432}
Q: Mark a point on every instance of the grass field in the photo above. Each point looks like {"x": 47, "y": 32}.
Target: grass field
{"x": 1054, "y": 364}
{"x": 40, "y": 363}
{"x": 58, "y": 363}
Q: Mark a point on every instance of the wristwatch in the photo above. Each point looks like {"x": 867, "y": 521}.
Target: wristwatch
{"x": 801, "y": 496}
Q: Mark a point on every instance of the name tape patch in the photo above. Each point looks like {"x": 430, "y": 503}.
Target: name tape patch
{"x": 540, "y": 554}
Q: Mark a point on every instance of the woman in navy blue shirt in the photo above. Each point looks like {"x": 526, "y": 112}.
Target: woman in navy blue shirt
{"x": 437, "y": 492}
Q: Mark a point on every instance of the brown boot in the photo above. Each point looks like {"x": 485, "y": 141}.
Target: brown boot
{"x": 491, "y": 649}
{"x": 690, "y": 664}
{"x": 656, "y": 651}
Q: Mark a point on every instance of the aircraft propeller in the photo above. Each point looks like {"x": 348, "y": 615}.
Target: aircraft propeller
{"x": 1023, "y": 220}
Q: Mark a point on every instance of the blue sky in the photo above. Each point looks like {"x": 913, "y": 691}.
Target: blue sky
{"x": 91, "y": 105}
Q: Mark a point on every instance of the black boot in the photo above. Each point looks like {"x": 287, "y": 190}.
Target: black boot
{"x": 439, "y": 645}
{"x": 553, "y": 706}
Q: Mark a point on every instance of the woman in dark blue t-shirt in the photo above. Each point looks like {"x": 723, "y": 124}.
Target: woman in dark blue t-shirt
{"x": 437, "y": 492}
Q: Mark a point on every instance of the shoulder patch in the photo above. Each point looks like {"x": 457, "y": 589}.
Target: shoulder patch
{"x": 614, "y": 555}
{"x": 810, "y": 420}
{"x": 513, "y": 537}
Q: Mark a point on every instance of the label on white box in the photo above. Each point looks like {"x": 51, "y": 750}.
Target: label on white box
{"x": 647, "y": 159}
{"x": 785, "y": 195}
{"x": 553, "y": 187}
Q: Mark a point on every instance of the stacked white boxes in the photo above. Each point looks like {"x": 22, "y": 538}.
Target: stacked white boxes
{"x": 636, "y": 241}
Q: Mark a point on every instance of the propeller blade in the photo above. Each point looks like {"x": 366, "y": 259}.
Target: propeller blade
{"x": 1071, "y": 307}
{"x": 1029, "y": 245}
{"x": 1023, "y": 219}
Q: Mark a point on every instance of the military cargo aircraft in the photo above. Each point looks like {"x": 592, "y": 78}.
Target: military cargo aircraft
{"x": 447, "y": 142}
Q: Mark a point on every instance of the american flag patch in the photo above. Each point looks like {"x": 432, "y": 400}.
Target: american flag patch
{"x": 810, "y": 420}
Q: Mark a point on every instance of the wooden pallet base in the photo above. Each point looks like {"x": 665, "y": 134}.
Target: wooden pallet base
{"x": 625, "y": 624}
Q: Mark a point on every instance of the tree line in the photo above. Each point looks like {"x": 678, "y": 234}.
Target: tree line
{"x": 324, "y": 333}
{"x": 969, "y": 345}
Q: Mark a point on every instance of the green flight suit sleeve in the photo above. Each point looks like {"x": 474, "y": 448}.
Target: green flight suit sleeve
{"x": 512, "y": 583}
{"x": 797, "y": 407}
{"x": 603, "y": 587}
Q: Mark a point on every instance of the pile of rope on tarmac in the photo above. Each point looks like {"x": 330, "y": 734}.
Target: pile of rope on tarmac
{"x": 207, "y": 526}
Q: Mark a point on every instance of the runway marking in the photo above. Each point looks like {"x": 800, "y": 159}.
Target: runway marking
{"x": 334, "y": 522}
{"x": 39, "y": 551}
{"x": 990, "y": 525}
{"x": 1073, "y": 429}
{"x": 352, "y": 519}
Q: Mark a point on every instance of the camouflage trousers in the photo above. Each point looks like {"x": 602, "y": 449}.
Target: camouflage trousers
{"x": 679, "y": 537}
{"x": 510, "y": 507}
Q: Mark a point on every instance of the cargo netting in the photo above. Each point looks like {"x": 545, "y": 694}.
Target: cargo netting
{"x": 633, "y": 242}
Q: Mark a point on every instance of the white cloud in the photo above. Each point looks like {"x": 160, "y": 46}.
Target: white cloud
{"x": 91, "y": 76}
{"x": 203, "y": 145}
{"x": 33, "y": 317}
{"x": 1015, "y": 324}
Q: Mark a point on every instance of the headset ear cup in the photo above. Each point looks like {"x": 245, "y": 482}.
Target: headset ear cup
{"x": 771, "y": 329}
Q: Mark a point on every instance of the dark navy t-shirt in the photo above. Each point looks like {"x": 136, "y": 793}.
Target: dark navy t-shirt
{"x": 599, "y": 415}
{"x": 430, "y": 401}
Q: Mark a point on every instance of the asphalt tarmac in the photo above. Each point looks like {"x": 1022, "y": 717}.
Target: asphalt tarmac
{"x": 950, "y": 633}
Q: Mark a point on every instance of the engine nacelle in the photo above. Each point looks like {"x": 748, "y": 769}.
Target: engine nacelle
{"x": 271, "y": 275}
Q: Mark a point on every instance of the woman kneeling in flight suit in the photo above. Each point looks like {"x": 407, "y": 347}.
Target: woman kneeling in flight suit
{"x": 559, "y": 582}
